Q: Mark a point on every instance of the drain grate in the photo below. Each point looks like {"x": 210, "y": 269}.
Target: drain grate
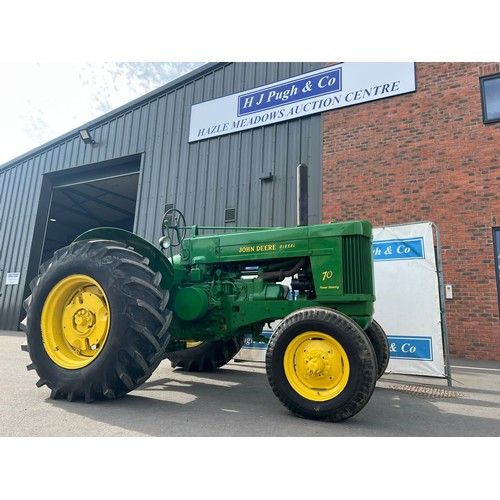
{"x": 426, "y": 392}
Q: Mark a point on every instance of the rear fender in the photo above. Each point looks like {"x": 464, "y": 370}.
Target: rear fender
{"x": 157, "y": 260}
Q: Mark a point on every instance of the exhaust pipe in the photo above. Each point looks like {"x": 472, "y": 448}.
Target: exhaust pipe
{"x": 302, "y": 195}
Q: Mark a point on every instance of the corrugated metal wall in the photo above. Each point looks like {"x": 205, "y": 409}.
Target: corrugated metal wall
{"x": 202, "y": 179}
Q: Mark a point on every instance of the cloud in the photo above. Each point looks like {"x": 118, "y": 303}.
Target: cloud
{"x": 115, "y": 84}
{"x": 40, "y": 102}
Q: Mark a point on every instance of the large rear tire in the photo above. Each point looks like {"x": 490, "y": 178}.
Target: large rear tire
{"x": 206, "y": 356}
{"x": 96, "y": 321}
{"x": 321, "y": 365}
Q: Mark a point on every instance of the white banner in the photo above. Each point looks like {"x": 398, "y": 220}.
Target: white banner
{"x": 331, "y": 87}
{"x": 407, "y": 302}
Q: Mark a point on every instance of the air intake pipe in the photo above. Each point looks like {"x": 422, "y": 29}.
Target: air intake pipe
{"x": 302, "y": 195}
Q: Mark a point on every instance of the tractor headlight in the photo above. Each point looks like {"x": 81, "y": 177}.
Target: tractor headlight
{"x": 165, "y": 242}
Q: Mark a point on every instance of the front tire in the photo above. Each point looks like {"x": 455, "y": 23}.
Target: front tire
{"x": 321, "y": 365}
{"x": 380, "y": 344}
{"x": 96, "y": 321}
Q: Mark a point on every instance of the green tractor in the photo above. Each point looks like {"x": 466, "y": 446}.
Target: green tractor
{"x": 108, "y": 308}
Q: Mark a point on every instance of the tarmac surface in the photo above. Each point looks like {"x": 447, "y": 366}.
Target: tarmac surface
{"x": 197, "y": 422}
{"x": 237, "y": 401}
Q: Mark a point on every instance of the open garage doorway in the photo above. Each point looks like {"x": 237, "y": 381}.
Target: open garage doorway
{"x": 76, "y": 208}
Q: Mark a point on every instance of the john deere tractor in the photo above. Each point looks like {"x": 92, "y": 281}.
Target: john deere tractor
{"x": 108, "y": 308}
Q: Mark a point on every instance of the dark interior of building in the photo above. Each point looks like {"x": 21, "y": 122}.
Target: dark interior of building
{"x": 79, "y": 207}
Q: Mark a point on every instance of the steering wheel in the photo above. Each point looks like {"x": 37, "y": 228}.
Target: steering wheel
{"x": 174, "y": 223}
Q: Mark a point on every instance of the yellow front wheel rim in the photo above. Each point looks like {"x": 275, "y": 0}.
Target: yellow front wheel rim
{"x": 75, "y": 321}
{"x": 316, "y": 366}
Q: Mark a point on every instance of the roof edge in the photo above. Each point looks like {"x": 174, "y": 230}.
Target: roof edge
{"x": 192, "y": 75}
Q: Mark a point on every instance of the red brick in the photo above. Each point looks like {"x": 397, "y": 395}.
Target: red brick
{"x": 428, "y": 156}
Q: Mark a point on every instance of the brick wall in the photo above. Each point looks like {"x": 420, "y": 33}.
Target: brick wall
{"x": 427, "y": 156}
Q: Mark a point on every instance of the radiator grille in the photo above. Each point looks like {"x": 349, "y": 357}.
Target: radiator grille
{"x": 358, "y": 265}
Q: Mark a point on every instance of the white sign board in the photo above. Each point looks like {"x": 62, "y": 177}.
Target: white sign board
{"x": 321, "y": 90}
{"x": 407, "y": 302}
{"x": 12, "y": 278}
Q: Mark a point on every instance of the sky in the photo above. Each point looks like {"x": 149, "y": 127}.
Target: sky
{"x": 41, "y": 101}
{"x": 63, "y": 64}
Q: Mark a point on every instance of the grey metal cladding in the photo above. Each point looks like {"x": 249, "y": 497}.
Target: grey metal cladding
{"x": 225, "y": 171}
{"x": 202, "y": 178}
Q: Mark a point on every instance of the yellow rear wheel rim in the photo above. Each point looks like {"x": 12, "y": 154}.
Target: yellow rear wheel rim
{"x": 75, "y": 321}
{"x": 193, "y": 343}
{"x": 316, "y": 366}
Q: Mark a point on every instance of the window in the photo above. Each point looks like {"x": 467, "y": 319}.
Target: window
{"x": 496, "y": 248}
{"x": 490, "y": 98}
